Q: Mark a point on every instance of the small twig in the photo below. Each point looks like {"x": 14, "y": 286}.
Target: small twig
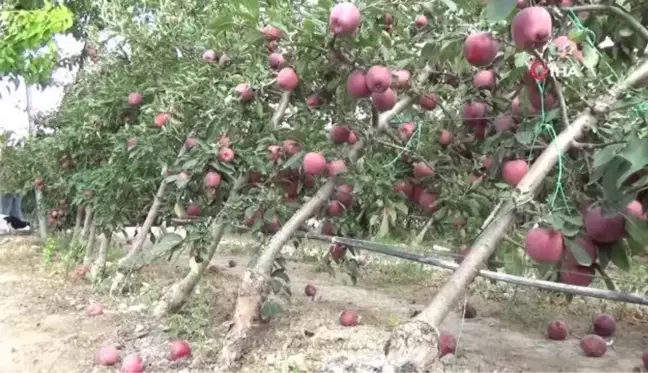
{"x": 409, "y": 152}
{"x": 580, "y": 95}
{"x": 389, "y": 133}
{"x": 341, "y": 55}
{"x": 582, "y": 145}
{"x": 561, "y": 100}
{"x": 513, "y": 242}
{"x": 397, "y": 147}
{"x": 445, "y": 111}
{"x": 375, "y": 116}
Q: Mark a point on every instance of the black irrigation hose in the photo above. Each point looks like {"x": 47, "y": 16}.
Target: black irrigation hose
{"x": 396, "y": 251}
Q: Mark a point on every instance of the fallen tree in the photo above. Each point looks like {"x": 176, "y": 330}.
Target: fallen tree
{"x": 413, "y": 346}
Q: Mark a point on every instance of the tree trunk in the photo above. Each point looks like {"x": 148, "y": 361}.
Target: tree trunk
{"x": 127, "y": 264}
{"x": 99, "y": 265}
{"x": 87, "y": 223}
{"x": 78, "y": 222}
{"x": 256, "y": 281}
{"x": 89, "y": 249}
{"x": 413, "y": 347}
{"x": 180, "y": 292}
{"x": 40, "y": 213}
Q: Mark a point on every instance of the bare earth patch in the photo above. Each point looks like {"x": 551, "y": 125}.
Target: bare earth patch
{"x": 44, "y": 327}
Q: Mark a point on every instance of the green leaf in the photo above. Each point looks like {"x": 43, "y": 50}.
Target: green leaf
{"x": 270, "y": 309}
{"x": 618, "y": 256}
{"x": 637, "y": 228}
{"x": 608, "y": 281}
{"x": 524, "y": 137}
{"x": 636, "y": 153}
{"x": 429, "y": 51}
{"x": 522, "y": 59}
{"x": 450, "y": 4}
{"x": 635, "y": 247}
{"x": 384, "y": 225}
{"x": 514, "y": 264}
{"x": 498, "y": 10}
{"x": 168, "y": 242}
{"x": 573, "y": 220}
{"x": 570, "y": 232}
{"x": 591, "y": 57}
{"x": 190, "y": 164}
{"x": 294, "y": 160}
{"x": 578, "y": 252}
{"x": 400, "y": 206}
{"x": 576, "y": 35}
{"x": 603, "y": 256}
{"x": 605, "y": 155}
{"x": 281, "y": 273}
{"x": 179, "y": 210}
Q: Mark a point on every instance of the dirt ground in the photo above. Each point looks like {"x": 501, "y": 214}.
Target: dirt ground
{"x": 44, "y": 327}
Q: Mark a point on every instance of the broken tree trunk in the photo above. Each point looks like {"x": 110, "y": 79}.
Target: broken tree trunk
{"x": 131, "y": 262}
{"x": 178, "y": 294}
{"x": 256, "y": 281}
{"x": 99, "y": 265}
{"x": 413, "y": 346}
{"x": 89, "y": 248}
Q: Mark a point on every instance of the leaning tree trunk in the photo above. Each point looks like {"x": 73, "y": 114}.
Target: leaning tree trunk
{"x": 130, "y": 262}
{"x": 413, "y": 346}
{"x": 99, "y": 266}
{"x": 89, "y": 248}
{"x": 256, "y": 281}
{"x": 180, "y": 292}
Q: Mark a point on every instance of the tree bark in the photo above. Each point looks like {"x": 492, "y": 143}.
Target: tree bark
{"x": 128, "y": 263}
{"x": 89, "y": 248}
{"x": 40, "y": 212}
{"x": 256, "y": 281}
{"x": 180, "y": 292}
{"x": 78, "y": 222}
{"x": 413, "y": 347}
{"x": 87, "y": 223}
{"x": 99, "y": 266}
{"x": 255, "y": 285}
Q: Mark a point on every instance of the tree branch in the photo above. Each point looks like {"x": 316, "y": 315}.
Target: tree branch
{"x": 562, "y": 102}
{"x": 280, "y": 111}
{"x": 616, "y": 11}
